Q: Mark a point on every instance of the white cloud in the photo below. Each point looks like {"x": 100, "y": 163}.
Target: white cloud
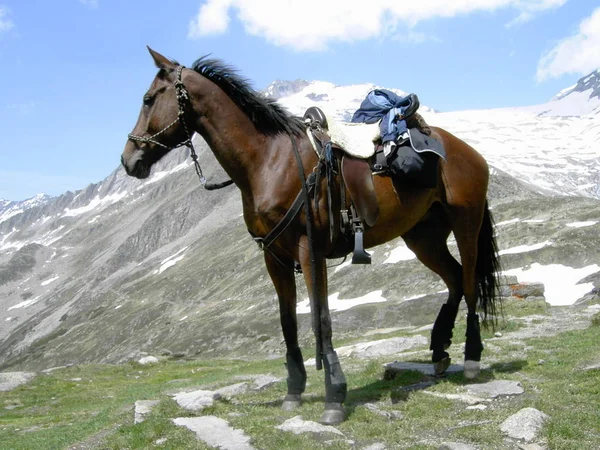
{"x": 213, "y": 18}
{"x": 311, "y": 25}
{"x": 5, "y": 23}
{"x": 528, "y": 10}
{"x": 576, "y": 54}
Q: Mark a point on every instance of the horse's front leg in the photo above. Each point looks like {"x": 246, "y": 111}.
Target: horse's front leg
{"x": 315, "y": 276}
{"x": 285, "y": 286}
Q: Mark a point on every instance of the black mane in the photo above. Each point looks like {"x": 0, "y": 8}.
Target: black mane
{"x": 268, "y": 116}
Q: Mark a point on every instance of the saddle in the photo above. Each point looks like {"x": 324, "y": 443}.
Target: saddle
{"x": 356, "y": 178}
{"x": 414, "y": 162}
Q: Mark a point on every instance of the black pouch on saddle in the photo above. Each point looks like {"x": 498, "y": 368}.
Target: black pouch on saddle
{"x": 418, "y": 169}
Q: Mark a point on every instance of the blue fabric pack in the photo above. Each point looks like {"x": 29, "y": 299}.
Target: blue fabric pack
{"x": 387, "y": 106}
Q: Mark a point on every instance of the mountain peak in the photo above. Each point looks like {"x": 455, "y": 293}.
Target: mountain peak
{"x": 282, "y": 88}
{"x": 590, "y": 82}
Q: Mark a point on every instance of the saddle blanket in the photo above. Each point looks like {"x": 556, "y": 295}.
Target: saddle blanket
{"x": 413, "y": 161}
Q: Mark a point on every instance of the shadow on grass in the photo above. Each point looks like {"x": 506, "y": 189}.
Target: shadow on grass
{"x": 400, "y": 387}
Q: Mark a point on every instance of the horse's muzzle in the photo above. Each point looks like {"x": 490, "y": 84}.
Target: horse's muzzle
{"x": 134, "y": 165}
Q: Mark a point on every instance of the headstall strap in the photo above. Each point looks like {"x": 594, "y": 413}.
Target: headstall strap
{"x": 183, "y": 99}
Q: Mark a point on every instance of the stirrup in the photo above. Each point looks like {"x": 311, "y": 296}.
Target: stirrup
{"x": 360, "y": 256}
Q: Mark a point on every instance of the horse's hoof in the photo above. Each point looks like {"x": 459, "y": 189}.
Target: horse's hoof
{"x": 441, "y": 366}
{"x": 291, "y": 402}
{"x": 333, "y": 415}
{"x": 472, "y": 369}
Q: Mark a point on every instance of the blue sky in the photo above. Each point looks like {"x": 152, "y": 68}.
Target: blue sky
{"x": 74, "y": 71}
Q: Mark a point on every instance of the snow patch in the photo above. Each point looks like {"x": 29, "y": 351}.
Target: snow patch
{"x": 506, "y": 222}
{"x": 337, "y": 304}
{"x": 25, "y": 304}
{"x": 343, "y": 265}
{"x": 524, "y": 248}
{"x": 589, "y": 223}
{"x": 170, "y": 261}
{"x": 49, "y": 280}
{"x": 157, "y": 176}
{"x": 96, "y": 202}
{"x": 561, "y": 282}
{"x": 400, "y": 253}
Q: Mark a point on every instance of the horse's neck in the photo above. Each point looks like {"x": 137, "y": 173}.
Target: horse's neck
{"x": 235, "y": 142}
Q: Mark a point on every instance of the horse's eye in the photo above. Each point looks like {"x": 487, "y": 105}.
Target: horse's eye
{"x": 148, "y": 99}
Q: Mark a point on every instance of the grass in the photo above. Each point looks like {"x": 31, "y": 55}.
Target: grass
{"x": 92, "y": 406}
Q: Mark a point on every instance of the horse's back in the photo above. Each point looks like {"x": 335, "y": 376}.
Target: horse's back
{"x": 464, "y": 173}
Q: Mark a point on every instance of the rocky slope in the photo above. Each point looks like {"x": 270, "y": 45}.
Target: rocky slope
{"x": 125, "y": 267}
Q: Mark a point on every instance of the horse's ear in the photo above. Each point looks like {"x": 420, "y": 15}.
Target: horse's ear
{"x": 160, "y": 61}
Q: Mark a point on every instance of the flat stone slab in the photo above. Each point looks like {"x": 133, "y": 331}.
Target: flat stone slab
{"x": 592, "y": 367}
{"x": 233, "y": 390}
{"x": 392, "y": 415}
{"x": 382, "y": 347}
{"x": 143, "y": 408}
{"x": 298, "y": 426}
{"x": 524, "y": 425}
{"x": 196, "y": 400}
{"x": 465, "y": 398}
{"x": 147, "y": 360}
{"x": 216, "y": 432}
{"x": 11, "y": 380}
{"x": 496, "y": 388}
{"x": 260, "y": 381}
{"x": 265, "y": 381}
{"x": 426, "y": 369}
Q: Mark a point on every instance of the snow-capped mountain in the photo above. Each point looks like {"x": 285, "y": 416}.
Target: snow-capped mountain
{"x": 82, "y": 275}
{"x": 589, "y": 84}
{"x": 578, "y": 100}
{"x": 556, "y": 154}
{"x": 338, "y": 102}
{"x": 12, "y": 208}
{"x": 281, "y": 88}
{"x": 552, "y": 147}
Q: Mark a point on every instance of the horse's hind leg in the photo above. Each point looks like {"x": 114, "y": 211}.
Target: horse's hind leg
{"x": 428, "y": 241}
{"x": 285, "y": 286}
{"x": 335, "y": 381}
{"x": 467, "y": 224}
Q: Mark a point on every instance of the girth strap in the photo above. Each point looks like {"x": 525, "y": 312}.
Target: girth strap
{"x": 287, "y": 219}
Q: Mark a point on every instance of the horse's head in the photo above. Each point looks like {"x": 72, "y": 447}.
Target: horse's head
{"x": 161, "y": 124}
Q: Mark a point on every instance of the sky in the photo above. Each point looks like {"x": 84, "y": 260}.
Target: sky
{"x": 75, "y": 71}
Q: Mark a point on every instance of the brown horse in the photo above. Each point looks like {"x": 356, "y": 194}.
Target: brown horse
{"x": 262, "y": 147}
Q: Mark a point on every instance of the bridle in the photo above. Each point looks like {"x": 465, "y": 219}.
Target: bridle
{"x": 183, "y": 100}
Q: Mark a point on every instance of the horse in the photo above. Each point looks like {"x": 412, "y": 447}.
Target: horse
{"x": 267, "y": 154}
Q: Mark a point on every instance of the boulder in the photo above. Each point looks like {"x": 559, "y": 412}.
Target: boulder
{"x": 11, "y": 380}
{"x": 524, "y": 425}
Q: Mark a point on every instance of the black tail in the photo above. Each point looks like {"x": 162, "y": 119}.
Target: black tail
{"x": 487, "y": 268}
